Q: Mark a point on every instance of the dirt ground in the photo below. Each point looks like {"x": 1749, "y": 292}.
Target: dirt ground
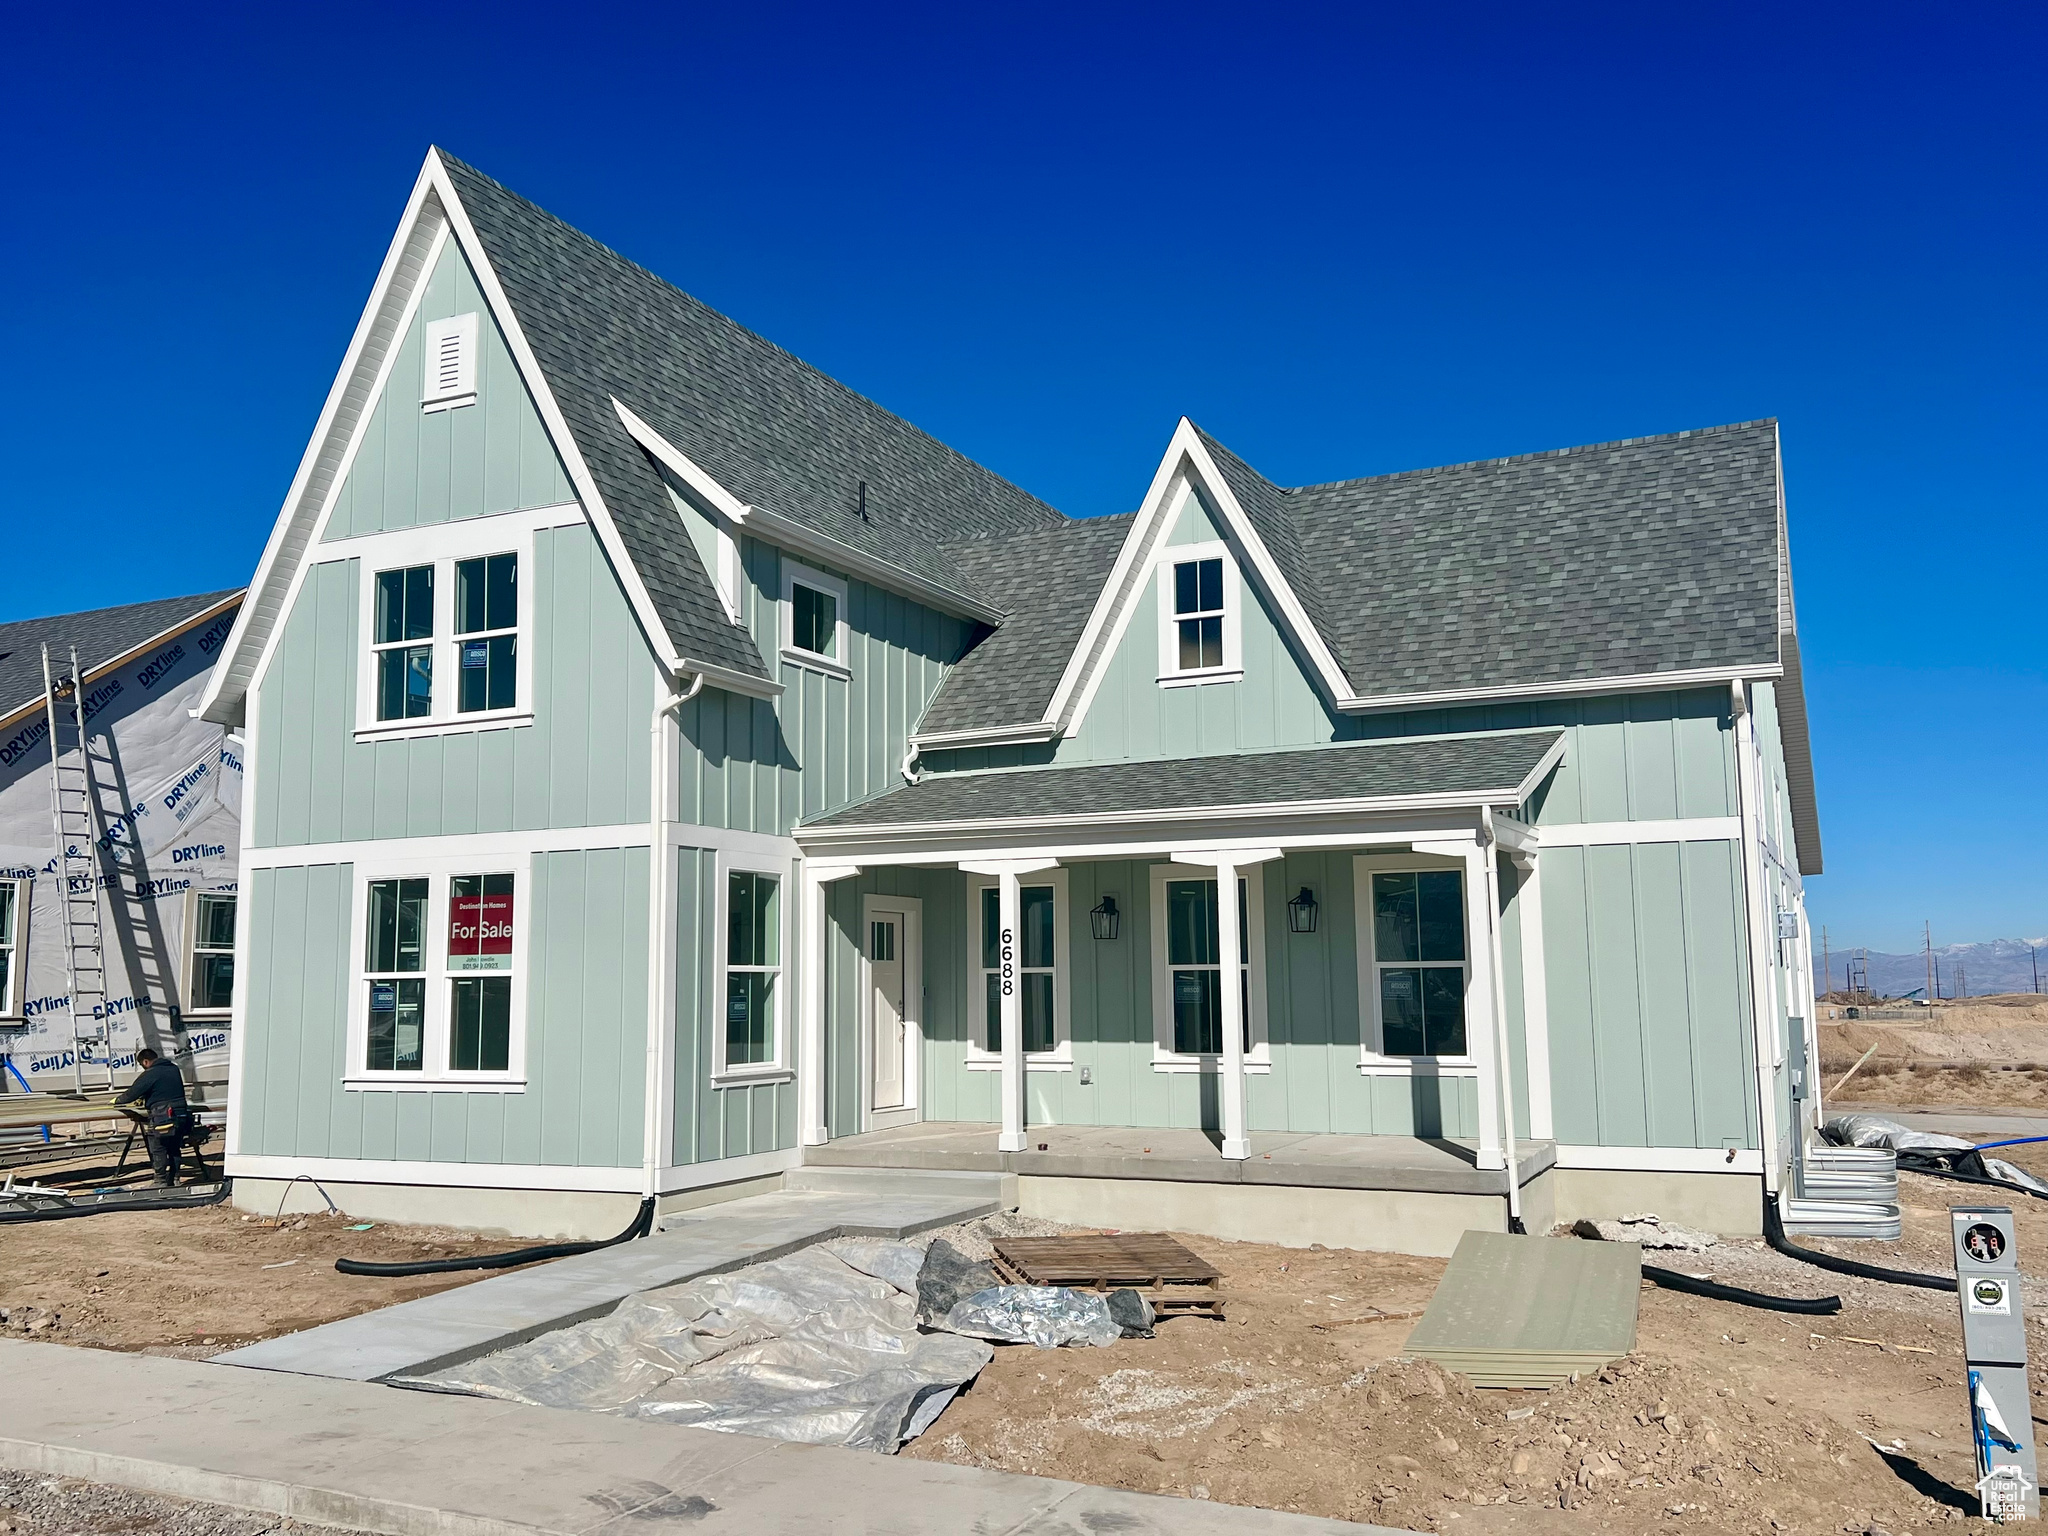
{"x": 1724, "y": 1419}
{"x": 195, "y": 1282}
{"x": 1983, "y": 1053}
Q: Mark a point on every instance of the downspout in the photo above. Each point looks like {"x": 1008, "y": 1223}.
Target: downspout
{"x": 910, "y": 770}
{"x": 1761, "y": 990}
{"x": 1487, "y": 840}
{"x": 660, "y": 923}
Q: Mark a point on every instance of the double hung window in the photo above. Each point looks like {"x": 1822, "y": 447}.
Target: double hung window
{"x": 487, "y": 632}
{"x": 753, "y": 970}
{"x": 1198, "y": 601}
{"x": 1036, "y": 956}
{"x": 403, "y": 643}
{"x": 1187, "y": 969}
{"x": 13, "y": 921}
{"x": 212, "y": 987}
{"x": 1418, "y": 953}
{"x": 440, "y": 979}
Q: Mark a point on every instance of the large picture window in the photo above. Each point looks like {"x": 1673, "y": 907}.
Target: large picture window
{"x": 212, "y": 985}
{"x": 1187, "y": 969}
{"x": 1417, "y": 922}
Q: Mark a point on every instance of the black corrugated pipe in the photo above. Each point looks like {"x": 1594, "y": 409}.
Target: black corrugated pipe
{"x": 160, "y": 1203}
{"x": 1774, "y": 1234}
{"x": 1672, "y": 1280}
{"x": 641, "y": 1225}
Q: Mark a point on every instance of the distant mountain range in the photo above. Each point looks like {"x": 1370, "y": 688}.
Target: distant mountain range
{"x": 2002, "y": 965}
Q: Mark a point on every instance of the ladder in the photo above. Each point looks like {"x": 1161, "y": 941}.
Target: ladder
{"x": 74, "y": 815}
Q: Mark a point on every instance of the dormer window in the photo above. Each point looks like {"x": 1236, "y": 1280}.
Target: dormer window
{"x": 814, "y": 620}
{"x": 448, "y": 366}
{"x": 1198, "y": 616}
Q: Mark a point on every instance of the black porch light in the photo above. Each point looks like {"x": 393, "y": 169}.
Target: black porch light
{"x": 1103, "y": 918}
{"x": 1301, "y": 912}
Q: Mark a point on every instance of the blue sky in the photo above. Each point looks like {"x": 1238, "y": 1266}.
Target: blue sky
{"x": 1346, "y": 241}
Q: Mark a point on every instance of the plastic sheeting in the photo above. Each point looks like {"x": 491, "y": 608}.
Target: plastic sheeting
{"x": 1944, "y": 1151}
{"x": 171, "y": 791}
{"x": 821, "y": 1347}
{"x": 1045, "y": 1315}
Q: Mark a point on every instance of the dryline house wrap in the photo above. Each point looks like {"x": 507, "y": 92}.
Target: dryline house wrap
{"x": 168, "y": 792}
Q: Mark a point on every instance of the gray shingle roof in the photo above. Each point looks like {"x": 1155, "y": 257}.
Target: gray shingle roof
{"x": 1493, "y": 767}
{"x": 1658, "y": 554}
{"x": 1046, "y": 581}
{"x": 101, "y": 634}
{"x": 771, "y": 429}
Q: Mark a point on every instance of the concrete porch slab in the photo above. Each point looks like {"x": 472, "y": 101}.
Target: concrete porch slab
{"x": 471, "y": 1320}
{"x": 1392, "y": 1163}
{"x": 372, "y": 1458}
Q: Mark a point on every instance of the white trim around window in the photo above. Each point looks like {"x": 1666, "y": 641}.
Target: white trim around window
{"x": 1061, "y": 1057}
{"x": 440, "y": 547}
{"x": 770, "y": 961}
{"x": 832, "y": 661}
{"x": 1210, "y": 604}
{"x": 1259, "y": 1057}
{"x": 200, "y": 946}
{"x": 16, "y": 896}
{"x": 439, "y": 972}
{"x": 1373, "y": 1059}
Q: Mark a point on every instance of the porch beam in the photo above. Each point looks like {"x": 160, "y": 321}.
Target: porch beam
{"x": 810, "y": 1054}
{"x": 1010, "y": 1001}
{"x": 1237, "y": 1146}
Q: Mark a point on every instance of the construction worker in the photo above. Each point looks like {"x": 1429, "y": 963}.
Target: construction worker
{"x": 160, "y": 1090}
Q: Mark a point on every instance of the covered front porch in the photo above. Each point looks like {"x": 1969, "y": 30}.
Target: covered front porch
{"x": 1032, "y": 970}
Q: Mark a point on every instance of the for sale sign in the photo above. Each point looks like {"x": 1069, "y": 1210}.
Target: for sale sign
{"x": 480, "y": 923}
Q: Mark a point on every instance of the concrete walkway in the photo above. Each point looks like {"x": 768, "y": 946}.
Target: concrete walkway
{"x": 456, "y": 1325}
{"x": 375, "y": 1458}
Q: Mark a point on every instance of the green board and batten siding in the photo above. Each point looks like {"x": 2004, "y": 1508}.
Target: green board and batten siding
{"x": 586, "y": 1039}
{"x": 415, "y": 467}
{"x": 583, "y": 762}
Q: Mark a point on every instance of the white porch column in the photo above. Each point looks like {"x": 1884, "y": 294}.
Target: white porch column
{"x": 810, "y": 1050}
{"x": 1010, "y": 1001}
{"x": 1480, "y": 1035}
{"x": 1227, "y": 862}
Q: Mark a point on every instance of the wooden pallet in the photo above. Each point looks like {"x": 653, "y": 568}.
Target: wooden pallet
{"x": 1165, "y": 1272}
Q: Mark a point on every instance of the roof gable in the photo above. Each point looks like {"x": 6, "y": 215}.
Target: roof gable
{"x": 103, "y": 636}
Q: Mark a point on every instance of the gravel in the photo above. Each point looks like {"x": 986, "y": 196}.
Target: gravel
{"x": 34, "y": 1504}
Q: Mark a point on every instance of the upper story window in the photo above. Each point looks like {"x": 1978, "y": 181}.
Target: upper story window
{"x": 1418, "y": 966}
{"x": 211, "y": 988}
{"x": 814, "y": 631}
{"x": 448, "y": 363}
{"x": 438, "y": 1000}
{"x": 1198, "y": 616}
{"x": 13, "y": 928}
{"x": 449, "y": 639}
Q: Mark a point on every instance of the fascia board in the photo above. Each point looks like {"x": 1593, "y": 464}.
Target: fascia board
{"x": 354, "y": 385}
{"x": 551, "y": 416}
{"x": 804, "y": 540}
{"x": 732, "y": 682}
{"x": 114, "y": 664}
{"x": 1640, "y": 682}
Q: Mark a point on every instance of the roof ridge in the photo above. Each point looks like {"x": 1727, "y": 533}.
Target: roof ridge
{"x": 1530, "y": 458}
{"x": 749, "y": 331}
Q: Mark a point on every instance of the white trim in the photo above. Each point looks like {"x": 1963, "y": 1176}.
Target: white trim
{"x": 1165, "y": 1058}
{"x": 1161, "y": 839}
{"x": 796, "y": 575}
{"x": 1535, "y": 996}
{"x": 348, "y": 1170}
{"x": 992, "y": 736}
{"x": 1060, "y": 1058}
{"x": 911, "y": 947}
{"x": 1587, "y": 834}
{"x": 192, "y": 952}
{"x": 678, "y": 1177}
{"x": 435, "y": 1074}
{"x": 1231, "y": 667}
{"x": 238, "y": 1037}
{"x": 813, "y": 876}
{"x": 1635, "y": 682}
{"x": 1662, "y": 1159}
{"x": 800, "y": 537}
{"x": 1373, "y": 1061}
{"x": 777, "y": 1067}
{"x": 451, "y": 845}
{"x": 1765, "y": 1031}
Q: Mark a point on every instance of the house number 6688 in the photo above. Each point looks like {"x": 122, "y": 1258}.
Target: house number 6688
{"x": 1009, "y": 970}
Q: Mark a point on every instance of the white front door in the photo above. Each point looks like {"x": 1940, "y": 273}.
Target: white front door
{"x": 889, "y": 1039}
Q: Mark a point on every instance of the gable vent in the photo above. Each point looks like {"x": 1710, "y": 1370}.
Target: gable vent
{"x": 449, "y": 365}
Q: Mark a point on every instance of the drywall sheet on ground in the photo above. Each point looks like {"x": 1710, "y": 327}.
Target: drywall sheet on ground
{"x": 1529, "y": 1311}
{"x": 170, "y": 795}
{"x": 821, "y": 1347}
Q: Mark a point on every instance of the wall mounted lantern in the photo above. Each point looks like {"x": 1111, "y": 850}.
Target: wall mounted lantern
{"x": 1103, "y": 918}
{"x": 1301, "y": 912}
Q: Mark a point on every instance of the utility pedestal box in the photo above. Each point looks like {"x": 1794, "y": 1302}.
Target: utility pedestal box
{"x": 1995, "y": 1357}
